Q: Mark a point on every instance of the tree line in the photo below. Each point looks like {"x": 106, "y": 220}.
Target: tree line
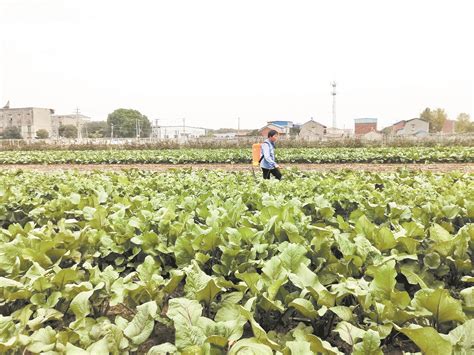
{"x": 438, "y": 117}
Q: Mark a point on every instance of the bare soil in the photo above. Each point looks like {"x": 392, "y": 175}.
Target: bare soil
{"x": 435, "y": 167}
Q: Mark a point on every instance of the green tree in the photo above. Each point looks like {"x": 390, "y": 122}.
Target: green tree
{"x": 12, "y": 133}
{"x": 42, "y": 134}
{"x": 68, "y": 131}
{"x": 125, "y": 123}
{"x": 426, "y": 114}
{"x": 438, "y": 119}
{"x": 97, "y": 129}
{"x": 463, "y": 123}
{"x": 435, "y": 118}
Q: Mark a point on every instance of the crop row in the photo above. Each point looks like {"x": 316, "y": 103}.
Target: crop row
{"x": 212, "y": 263}
{"x": 284, "y": 155}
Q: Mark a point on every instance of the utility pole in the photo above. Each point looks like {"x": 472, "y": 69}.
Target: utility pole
{"x": 111, "y": 131}
{"x": 238, "y": 126}
{"x": 334, "y": 123}
{"x": 184, "y": 128}
{"x": 78, "y": 126}
{"x": 155, "y": 130}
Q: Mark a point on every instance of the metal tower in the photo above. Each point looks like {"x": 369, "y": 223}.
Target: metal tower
{"x": 334, "y": 124}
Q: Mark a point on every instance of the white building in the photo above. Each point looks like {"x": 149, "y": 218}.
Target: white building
{"x": 177, "y": 132}
{"x": 228, "y": 135}
{"x": 27, "y": 120}
{"x": 77, "y": 120}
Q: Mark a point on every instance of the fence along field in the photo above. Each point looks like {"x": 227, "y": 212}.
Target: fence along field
{"x": 215, "y": 262}
{"x": 454, "y": 154}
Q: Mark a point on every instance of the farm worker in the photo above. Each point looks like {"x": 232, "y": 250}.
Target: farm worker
{"x": 267, "y": 163}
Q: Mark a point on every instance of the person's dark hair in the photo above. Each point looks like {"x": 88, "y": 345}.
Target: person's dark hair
{"x": 272, "y": 133}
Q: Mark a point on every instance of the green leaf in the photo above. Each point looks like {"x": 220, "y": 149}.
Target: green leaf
{"x": 349, "y": 333}
{"x": 4, "y": 282}
{"x": 468, "y": 295}
{"x": 345, "y": 313}
{"x": 175, "y": 278}
{"x": 65, "y": 276}
{"x": 305, "y": 307}
{"x": 412, "y": 276}
{"x": 141, "y": 326}
{"x": 163, "y": 349}
{"x": 320, "y": 346}
{"x": 80, "y": 305}
{"x": 74, "y": 350}
{"x": 461, "y": 336}
{"x": 199, "y": 285}
{"x": 432, "y": 260}
{"x": 257, "y": 330}
{"x": 42, "y": 340}
{"x": 442, "y": 306}
{"x": 304, "y": 278}
{"x": 99, "y": 347}
{"x": 185, "y": 314}
{"x": 384, "y": 239}
{"x": 370, "y": 344}
{"x": 250, "y": 346}
{"x": 299, "y": 347}
{"x": 75, "y": 198}
{"x": 439, "y": 234}
{"x": 428, "y": 340}
{"x": 384, "y": 280}
{"x": 293, "y": 256}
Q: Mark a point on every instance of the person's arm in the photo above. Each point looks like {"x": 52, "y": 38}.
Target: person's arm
{"x": 267, "y": 157}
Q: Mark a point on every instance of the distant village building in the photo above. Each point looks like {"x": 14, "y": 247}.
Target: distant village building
{"x": 448, "y": 127}
{"x": 284, "y": 124}
{"x": 282, "y": 131}
{"x": 414, "y": 127}
{"x": 228, "y": 135}
{"x": 177, "y": 132}
{"x": 372, "y": 136}
{"x": 364, "y": 125}
{"x": 28, "y": 120}
{"x": 77, "y": 120}
{"x": 312, "y": 130}
{"x": 337, "y": 133}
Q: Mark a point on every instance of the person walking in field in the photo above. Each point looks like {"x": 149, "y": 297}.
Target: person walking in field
{"x": 267, "y": 160}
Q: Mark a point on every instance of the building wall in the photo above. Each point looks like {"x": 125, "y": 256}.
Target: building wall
{"x": 448, "y": 127}
{"x": 414, "y": 126}
{"x": 264, "y": 131}
{"x": 398, "y": 126}
{"x": 363, "y": 128}
{"x": 372, "y": 136}
{"x": 312, "y": 131}
{"x": 29, "y": 120}
{"x": 178, "y": 132}
{"x": 42, "y": 120}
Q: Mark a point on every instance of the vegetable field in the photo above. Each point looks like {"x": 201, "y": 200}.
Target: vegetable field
{"x": 455, "y": 154}
{"x": 209, "y": 262}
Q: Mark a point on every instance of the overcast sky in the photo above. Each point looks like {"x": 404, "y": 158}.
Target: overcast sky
{"x": 214, "y": 61}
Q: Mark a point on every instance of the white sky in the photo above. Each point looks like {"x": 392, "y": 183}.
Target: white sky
{"x": 212, "y": 61}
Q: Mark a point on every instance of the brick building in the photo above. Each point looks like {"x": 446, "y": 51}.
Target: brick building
{"x": 448, "y": 127}
{"x": 364, "y": 125}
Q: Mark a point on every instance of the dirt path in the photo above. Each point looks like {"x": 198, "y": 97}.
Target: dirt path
{"x": 464, "y": 167}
